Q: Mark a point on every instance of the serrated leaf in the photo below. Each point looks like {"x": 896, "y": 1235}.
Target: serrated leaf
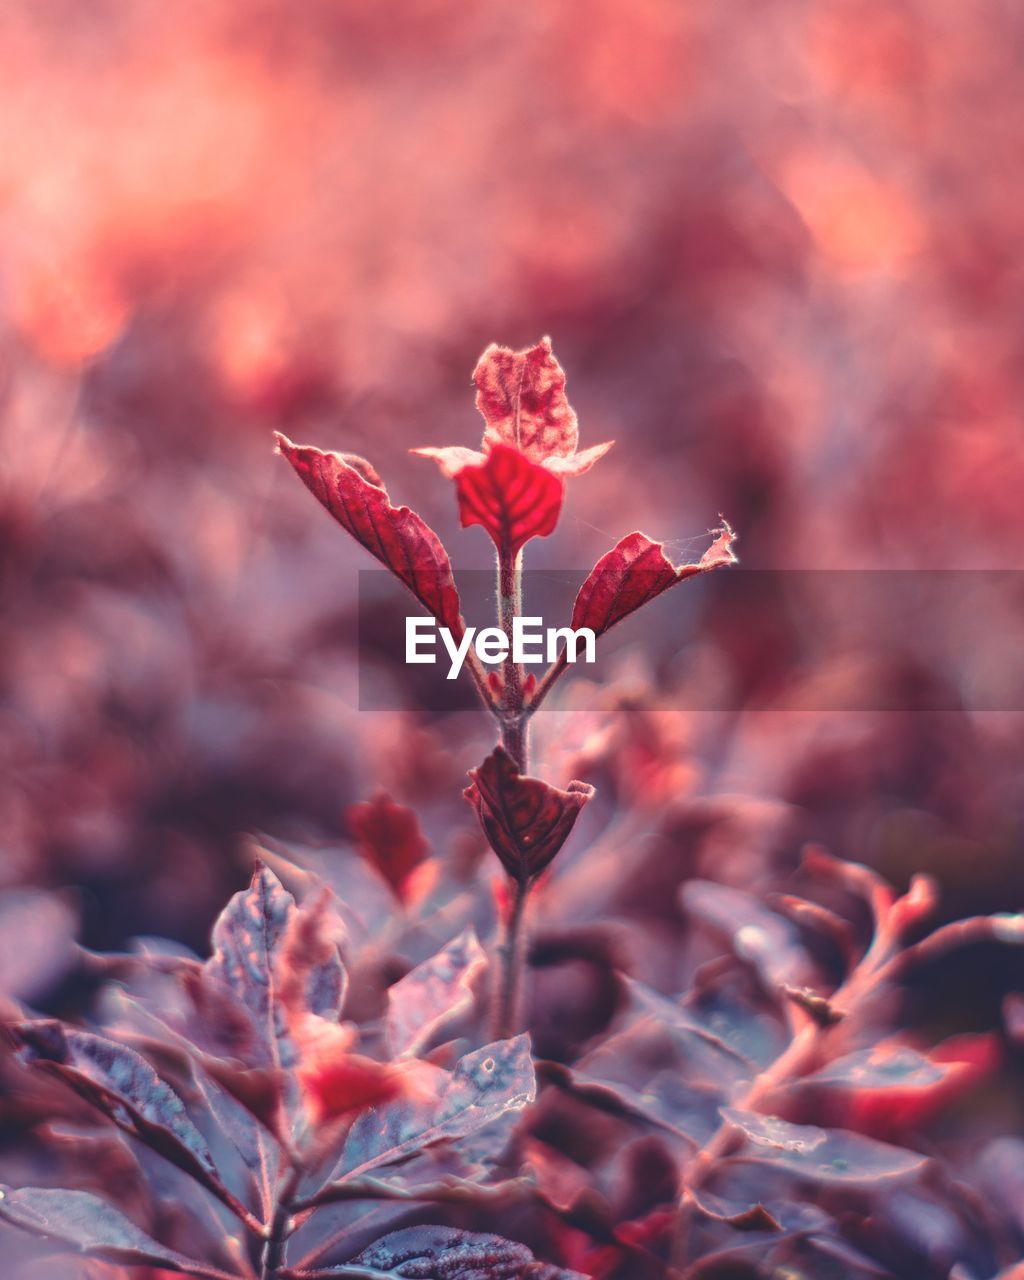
{"x": 433, "y": 994}
{"x": 821, "y": 1155}
{"x": 447, "y": 1253}
{"x": 526, "y": 820}
{"x": 484, "y": 1086}
{"x": 95, "y": 1228}
{"x": 521, "y": 397}
{"x": 396, "y": 536}
{"x": 635, "y": 571}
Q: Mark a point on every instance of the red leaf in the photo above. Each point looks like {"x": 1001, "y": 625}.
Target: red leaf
{"x": 398, "y": 537}
{"x": 635, "y": 571}
{"x": 526, "y": 820}
{"x": 337, "y": 1083}
{"x": 389, "y": 838}
{"x": 890, "y": 1089}
{"x": 521, "y": 395}
{"x": 513, "y": 498}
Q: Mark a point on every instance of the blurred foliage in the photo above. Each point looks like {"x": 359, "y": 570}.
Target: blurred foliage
{"x": 777, "y": 246}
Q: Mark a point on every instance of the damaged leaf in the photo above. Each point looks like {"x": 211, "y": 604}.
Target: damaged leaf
{"x": 635, "y": 571}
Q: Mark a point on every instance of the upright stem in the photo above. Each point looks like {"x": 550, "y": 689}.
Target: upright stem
{"x": 506, "y": 1005}
{"x": 515, "y": 740}
{"x": 511, "y": 711}
{"x": 513, "y": 719}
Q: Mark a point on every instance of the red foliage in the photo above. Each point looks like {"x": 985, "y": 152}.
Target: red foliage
{"x": 530, "y": 438}
{"x": 351, "y": 491}
{"x": 521, "y": 395}
{"x": 388, "y": 836}
{"x": 337, "y": 1083}
{"x": 526, "y": 820}
{"x": 635, "y": 571}
{"x": 513, "y": 498}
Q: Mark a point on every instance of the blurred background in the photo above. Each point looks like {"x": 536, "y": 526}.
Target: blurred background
{"x": 777, "y": 246}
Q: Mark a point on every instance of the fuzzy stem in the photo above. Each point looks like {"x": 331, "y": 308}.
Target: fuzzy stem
{"x": 514, "y": 721}
{"x": 511, "y": 712}
{"x": 515, "y": 740}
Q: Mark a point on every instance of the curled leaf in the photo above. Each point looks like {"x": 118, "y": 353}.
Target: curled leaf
{"x": 399, "y": 538}
{"x": 635, "y": 571}
{"x": 521, "y": 396}
{"x": 526, "y": 820}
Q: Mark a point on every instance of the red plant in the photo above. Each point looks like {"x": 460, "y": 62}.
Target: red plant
{"x": 305, "y": 1106}
{"x": 514, "y": 490}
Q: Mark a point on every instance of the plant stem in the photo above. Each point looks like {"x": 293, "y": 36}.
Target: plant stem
{"x": 511, "y": 711}
{"x": 506, "y": 1004}
{"x": 513, "y": 720}
{"x": 515, "y": 740}
{"x": 280, "y": 1225}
